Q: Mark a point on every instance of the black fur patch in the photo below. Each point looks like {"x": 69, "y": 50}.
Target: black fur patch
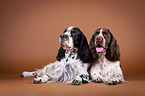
{"x": 80, "y": 42}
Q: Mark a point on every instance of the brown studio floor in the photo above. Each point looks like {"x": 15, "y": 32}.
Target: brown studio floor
{"x": 13, "y": 85}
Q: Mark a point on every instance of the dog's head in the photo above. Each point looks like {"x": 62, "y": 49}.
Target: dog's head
{"x": 71, "y": 38}
{"x": 103, "y": 42}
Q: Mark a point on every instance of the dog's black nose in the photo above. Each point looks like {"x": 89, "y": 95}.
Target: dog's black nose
{"x": 99, "y": 39}
{"x": 63, "y": 36}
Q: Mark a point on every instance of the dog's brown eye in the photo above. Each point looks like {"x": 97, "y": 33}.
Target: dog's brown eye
{"x": 105, "y": 35}
{"x": 73, "y": 32}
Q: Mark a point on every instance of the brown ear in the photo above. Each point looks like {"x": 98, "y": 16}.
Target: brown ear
{"x": 113, "y": 51}
{"x": 92, "y": 47}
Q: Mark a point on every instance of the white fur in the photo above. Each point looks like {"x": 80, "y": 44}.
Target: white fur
{"x": 106, "y": 70}
{"x": 70, "y": 28}
{"x": 55, "y": 70}
{"x": 28, "y": 74}
{"x": 66, "y": 70}
{"x": 43, "y": 78}
{"x": 68, "y": 43}
{"x": 101, "y": 35}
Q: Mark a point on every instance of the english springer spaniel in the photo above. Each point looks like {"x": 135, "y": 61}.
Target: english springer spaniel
{"x": 71, "y": 65}
{"x": 106, "y": 64}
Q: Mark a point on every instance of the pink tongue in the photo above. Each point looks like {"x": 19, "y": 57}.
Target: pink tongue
{"x": 99, "y": 49}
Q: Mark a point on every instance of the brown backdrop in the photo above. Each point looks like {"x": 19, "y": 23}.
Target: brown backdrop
{"x": 30, "y": 29}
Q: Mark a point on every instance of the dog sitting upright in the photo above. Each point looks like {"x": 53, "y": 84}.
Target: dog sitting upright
{"x": 72, "y": 57}
{"x": 106, "y": 65}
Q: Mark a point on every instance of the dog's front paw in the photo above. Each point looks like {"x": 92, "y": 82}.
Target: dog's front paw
{"x": 43, "y": 79}
{"x": 37, "y": 81}
{"x": 115, "y": 82}
{"x": 35, "y": 75}
{"x": 115, "y": 79}
{"x": 98, "y": 80}
{"x": 76, "y": 82}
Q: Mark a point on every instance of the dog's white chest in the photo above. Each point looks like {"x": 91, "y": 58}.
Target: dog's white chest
{"x": 103, "y": 62}
{"x": 71, "y": 56}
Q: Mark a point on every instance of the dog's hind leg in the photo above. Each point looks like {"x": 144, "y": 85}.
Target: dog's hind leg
{"x": 27, "y": 74}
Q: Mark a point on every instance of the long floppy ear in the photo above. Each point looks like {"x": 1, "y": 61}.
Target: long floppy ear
{"x": 93, "y": 48}
{"x": 113, "y": 51}
{"x": 61, "y": 54}
{"x": 84, "y": 51}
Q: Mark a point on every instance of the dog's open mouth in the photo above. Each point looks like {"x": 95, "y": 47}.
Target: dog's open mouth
{"x": 99, "y": 48}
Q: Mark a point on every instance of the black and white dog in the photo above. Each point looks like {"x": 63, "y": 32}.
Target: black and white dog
{"x": 106, "y": 65}
{"x": 72, "y": 57}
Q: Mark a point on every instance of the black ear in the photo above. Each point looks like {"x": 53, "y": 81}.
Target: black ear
{"x": 93, "y": 48}
{"x": 113, "y": 51}
{"x": 84, "y": 51}
{"x": 61, "y": 54}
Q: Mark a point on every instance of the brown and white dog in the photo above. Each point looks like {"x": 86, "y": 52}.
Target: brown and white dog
{"x": 106, "y": 54}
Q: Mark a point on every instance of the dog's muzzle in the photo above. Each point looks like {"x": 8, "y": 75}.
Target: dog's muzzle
{"x": 63, "y": 38}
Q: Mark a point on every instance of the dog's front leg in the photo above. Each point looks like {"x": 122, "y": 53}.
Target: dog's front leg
{"x": 77, "y": 80}
{"x": 80, "y": 79}
{"x": 96, "y": 74}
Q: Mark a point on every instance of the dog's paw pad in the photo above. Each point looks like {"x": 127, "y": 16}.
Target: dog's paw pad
{"x": 98, "y": 80}
{"x": 113, "y": 82}
{"x": 76, "y": 82}
{"x": 37, "y": 81}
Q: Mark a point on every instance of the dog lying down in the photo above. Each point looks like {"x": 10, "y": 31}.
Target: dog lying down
{"x": 72, "y": 61}
{"x": 106, "y": 65}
